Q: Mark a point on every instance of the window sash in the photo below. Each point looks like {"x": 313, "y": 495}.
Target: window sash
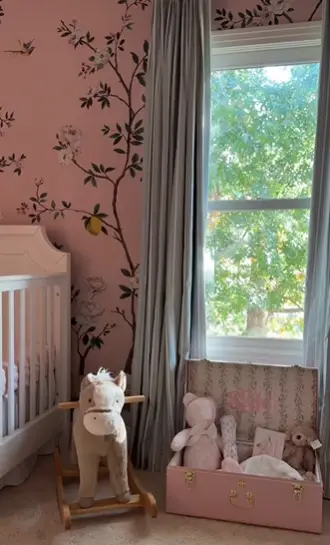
{"x": 243, "y": 205}
{"x": 294, "y": 43}
{"x": 266, "y": 350}
{"x": 250, "y": 48}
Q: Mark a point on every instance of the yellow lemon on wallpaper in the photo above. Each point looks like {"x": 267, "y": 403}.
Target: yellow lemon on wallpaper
{"x": 94, "y": 226}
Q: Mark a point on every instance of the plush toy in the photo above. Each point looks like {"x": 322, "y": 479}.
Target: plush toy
{"x": 298, "y": 452}
{"x": 228, "y": 434}
{"x": 99, "y": 432}
{"x": 201, "y": 441}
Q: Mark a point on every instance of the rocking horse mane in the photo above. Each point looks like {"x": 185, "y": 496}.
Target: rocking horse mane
{"x": 102, "y": 375}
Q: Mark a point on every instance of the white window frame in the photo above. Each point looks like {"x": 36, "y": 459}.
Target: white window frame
{"x": 250, "y": 48}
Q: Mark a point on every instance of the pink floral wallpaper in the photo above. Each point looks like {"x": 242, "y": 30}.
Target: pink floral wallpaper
{"x": 71, "y": 144}
{"x": 229, "y": 14}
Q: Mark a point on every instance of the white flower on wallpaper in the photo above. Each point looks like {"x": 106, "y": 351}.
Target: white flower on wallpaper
{"x": 134, "y": 281}
{"x": 89, "y": 312}
{"x": 263, "y": 12}
{"x": 76, "y": 34}
{"x": 100, "y": 58}
{"x": 69, "y": 144}
{"x": 96, "y": 284}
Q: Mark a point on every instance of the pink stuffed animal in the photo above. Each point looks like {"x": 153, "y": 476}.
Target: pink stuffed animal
{"x": 201, "y": 441}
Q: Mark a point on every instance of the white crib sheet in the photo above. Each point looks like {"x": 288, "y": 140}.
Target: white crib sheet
{"x": 48, "y": 385}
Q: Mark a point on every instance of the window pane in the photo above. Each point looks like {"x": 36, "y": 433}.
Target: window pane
{"x": 257, "y": 262}
{"x": 263, "y": 132}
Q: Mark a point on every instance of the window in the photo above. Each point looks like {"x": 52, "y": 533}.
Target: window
{"x": 264, "y": 90}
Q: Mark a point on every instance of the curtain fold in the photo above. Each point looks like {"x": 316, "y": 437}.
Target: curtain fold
{"x": 317, "y": 303}
{"x": 171, "y": 313}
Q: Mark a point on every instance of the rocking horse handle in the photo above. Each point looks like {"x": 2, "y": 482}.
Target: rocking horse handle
{"x": 68, "y": 405}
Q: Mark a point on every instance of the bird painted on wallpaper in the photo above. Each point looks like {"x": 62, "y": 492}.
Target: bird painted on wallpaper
{"x": 25, "y": 49}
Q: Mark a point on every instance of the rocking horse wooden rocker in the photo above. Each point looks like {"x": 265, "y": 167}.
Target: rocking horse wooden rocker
{"x": 99, "y": 437}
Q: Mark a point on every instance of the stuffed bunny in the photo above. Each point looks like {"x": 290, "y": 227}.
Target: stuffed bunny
{"x": 201, "y": 441}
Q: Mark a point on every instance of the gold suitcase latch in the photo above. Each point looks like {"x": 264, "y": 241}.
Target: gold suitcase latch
{"x": 189, "y": 477}
{"x": 248, "y": 497}
{"x": 297, "y": 492}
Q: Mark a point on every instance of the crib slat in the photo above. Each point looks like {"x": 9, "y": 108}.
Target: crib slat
{"x": 22, "y": 359}
{"x": 1, "y": 368}
{"x": 33, "y": 358}
{"x": 11, "y": 362}
{"x": 43, "y": 342}
{"x": 50, "y": 345}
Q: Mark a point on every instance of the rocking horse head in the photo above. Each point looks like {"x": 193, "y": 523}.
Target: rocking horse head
{"x": 101, "y": 401}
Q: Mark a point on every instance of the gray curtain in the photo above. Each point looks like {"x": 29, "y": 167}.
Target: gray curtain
{"x": 171, "y": 315}
{"x": 317, "y": 304}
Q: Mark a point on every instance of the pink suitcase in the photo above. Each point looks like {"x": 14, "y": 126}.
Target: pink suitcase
{"x": 268, "y": 396}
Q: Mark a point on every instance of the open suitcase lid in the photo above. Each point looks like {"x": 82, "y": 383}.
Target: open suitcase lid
{"x": 269, "y": 396}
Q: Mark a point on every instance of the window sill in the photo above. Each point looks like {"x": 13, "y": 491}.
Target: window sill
{"x": 255, "y": 350}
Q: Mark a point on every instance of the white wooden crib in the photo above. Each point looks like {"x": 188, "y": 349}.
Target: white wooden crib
{"x": 34, "y": 346}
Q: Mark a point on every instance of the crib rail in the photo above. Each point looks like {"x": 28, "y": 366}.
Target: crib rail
{"x": 21, "y": 282}
{"x": 33, "y": 340}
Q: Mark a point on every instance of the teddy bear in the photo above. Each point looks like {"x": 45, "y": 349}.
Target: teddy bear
{"x": 201, "y": 441}
{"x": 297, "y": 450}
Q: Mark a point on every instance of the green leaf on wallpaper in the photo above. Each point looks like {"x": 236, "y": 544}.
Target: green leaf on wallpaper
{"x": 96, "y": 168}
{"x": 109, "y": 169}
{"x": 66, "y": 204}
{"x": 97, "y": 342}
{"x": 140, "y": 76}
{"x": 135, "y": 158}
{"x": 126, "y": 273}
{"x": 85, "y": 340}
{"x": 146, "y": 47}
{"x": 125, "y": 289}
{"x": 96, "y": 208}
{"x": 86, "y": 102}
{"x": 116, "y": 138}
{"x": 119, "y": 150}
{"x": 90, "y": 179}
{"x": 53, "y": 204}
{"x": 104, "y": 230}
{"x": 135, "y": 57}
{"x": 105, "y": 129}
{"x": 89, "y": 38}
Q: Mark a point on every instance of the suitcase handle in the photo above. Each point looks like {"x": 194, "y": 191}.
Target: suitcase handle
{"x": 249, "y": 497}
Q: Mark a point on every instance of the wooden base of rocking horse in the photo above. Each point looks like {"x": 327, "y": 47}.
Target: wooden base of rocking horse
{"x": 141, "y": 499}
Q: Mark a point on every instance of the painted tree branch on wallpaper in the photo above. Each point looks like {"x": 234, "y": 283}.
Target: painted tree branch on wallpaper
{"x": 86, "y": 311}
{"x": 87, "y": 333}
{"x": 265, "y": 12}
{"x": 6, "y": 121}
{"x": 124, "y": 137}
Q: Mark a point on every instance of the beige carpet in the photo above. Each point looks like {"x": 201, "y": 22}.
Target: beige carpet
{"x": 29, "y": 516}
